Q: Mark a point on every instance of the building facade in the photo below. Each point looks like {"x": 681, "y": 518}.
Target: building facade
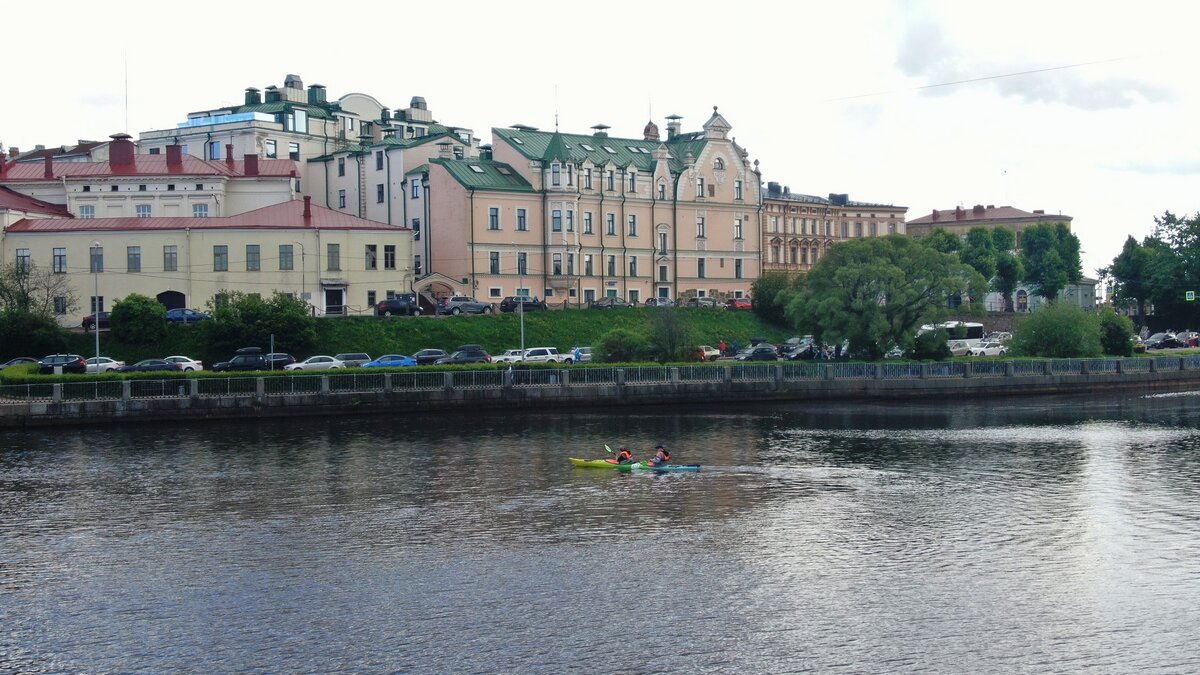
{"x": 574, "y": 217}
{"x": 798, "y": 229}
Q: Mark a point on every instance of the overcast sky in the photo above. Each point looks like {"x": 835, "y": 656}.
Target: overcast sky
{"x": 1085, "y": 108}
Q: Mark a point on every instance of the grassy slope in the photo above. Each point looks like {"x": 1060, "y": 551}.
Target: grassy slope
{"x": 563, "y": 329}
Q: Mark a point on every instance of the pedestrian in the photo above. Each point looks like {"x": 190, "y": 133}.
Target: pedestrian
{"x": 575, "y": 355}
{"x": 737, "y": 346}
{"x": 723, "y": 349}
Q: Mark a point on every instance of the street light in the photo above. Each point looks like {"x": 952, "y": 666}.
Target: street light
{"x": 301, "y": 269}
{"x": 520, "y": 298}
{"x": 96, "y": 299}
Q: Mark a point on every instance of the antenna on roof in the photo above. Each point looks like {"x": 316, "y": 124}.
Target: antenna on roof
{"x": 555, "y": 107}
{"x": 126, "y": 89}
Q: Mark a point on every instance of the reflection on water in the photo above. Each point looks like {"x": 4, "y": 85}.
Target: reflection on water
{"x": 1047, "y": 534}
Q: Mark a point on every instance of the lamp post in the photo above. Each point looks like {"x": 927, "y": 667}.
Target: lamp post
{"x": 520, "y": 298}
{"x": 302, "y": 279}
{"x": 96, "y": 299}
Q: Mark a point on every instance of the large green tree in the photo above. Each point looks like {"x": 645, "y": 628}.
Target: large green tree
{"x": 139, "y": 320}
{"x": 1050, "y": 257}
{"x": 979, "y": 251}
{"x": 770, "y": 292}
{"x": 1008, "y": 277}
{"x": 875, "y": 292}
{"x": 245, "y": 320}
{"x": 1130, "y": 275}
{"x": 940, "y": 239}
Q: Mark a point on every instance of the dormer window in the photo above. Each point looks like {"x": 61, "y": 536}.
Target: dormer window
{"x": 718, "y": 164}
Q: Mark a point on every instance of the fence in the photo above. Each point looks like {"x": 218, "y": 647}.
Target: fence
{"x": 578, "y": 376}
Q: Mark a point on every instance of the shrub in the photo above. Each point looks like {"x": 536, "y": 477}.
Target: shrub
{"x": 620, "y": 344}
{"x": 932, "y": 345}
{"x": 139, "y": 320}
{"x": 1116, "y": 333}
{"x": 25, "y": 333}
{"x": 1058, "y": 330}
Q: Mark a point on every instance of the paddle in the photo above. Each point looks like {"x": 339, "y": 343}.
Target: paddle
{"x": 608, "y": 449}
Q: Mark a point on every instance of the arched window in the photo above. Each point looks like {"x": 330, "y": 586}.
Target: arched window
{"x": 718, "y": 164}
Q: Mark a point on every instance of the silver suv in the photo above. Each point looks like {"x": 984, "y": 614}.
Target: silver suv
{"x": 545, "y": 355}
{"x": 463, "y": 304}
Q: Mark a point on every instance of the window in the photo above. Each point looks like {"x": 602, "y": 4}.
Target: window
{"x": 634, "y": 295}
{"x": 271, "y": 151}
{"x": 170, "y": 258}
{"x": 587, "y": 222}
{"x": 476, "y": 168}
{"x": 608, "y": 178}
{"x": 220, "y": 258}
{"x": 60, "y": 261}
{"x": 891, "y": 228}
{"x": 633, "y": 265}
{"x": 133, "y": 258}
{"x": 700, "y": 267}
{"x": 389, "y": 257}
{"x": 571, "y": 263}
{"x": 612, "y": 265}
{"x": 372, "y": 252}
{"x": 142, "y": 210}
{"x": 737, "y": 269}
{"x": 214, "y": 149}
{"x": 416, "y": 228}
{"x": 416, "y": 189}
{"x": 97, "y": 303}
{"x": 633, "y": 224}
{"x": 493, "y": 218}
{"x": 341, "y": 199}
{"x": 556, "y": 264}
{"x": 341, "y": 166}
{"x": 333, "y": 256}
{"x": 114, "y": 188}
{"x": 379, "y": 193}
{"x": 200, "y": 186}
{"x": 97, "y": 257}
{"x": 285, "y": 258}
{"x": 522, "y": 263}
{"x": 370, "y": 298}
{"x": 199, "y": 210}
{"x": 23, "y": 260}
{"x": 737, "y": 228}
{"x": 699, "y": 187}
{"x": 587, "y": 147}
{"x": 737, "y": 189}
{"x": 495, "y": 292}
{"x": 662, "y": 243}
{"x": 701, "y": 227}
{"x": 522, "y": 222}
{"x": 587, "y": 179}
{"x": 845, "y": 229}
{"x": 570, "y": 174}
{"x": 587, "y": 265}
{"x": 609, "y": 150}
{"x": 556, "y": 220}
{"x": 570, "y": 220}
{"x": 718, "y": 164}
{"x": 662, "y": 272}
{"x": 494, "y": 262}
{"x": 417, "y": 265}
{"x": 555, "y": 174}
{"x": 611, "y": 224}
{"x": 60, "y": 304}
{"x": 379, "y": 160}
{"x": 662, "y": 191}
{"x": 253, "y": 258}
{"x": 87, "y": 211}
{"x": 294, "y": 152}
{"x": 633, "y": 181}
{"x": 459, "y": 154}
{"x": 141, "y": 188}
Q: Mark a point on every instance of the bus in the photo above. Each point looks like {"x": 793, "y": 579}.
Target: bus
{"x": 972, "y": 333}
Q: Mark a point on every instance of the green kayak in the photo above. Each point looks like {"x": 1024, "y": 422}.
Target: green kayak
{"x": 646, "y": 466}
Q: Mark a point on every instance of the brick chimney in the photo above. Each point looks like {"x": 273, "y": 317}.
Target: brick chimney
{"x": 174, "y": 155}
{"x": 959, "y": 214}
{"x": 936, "y": 215}
{"x": 229, "y": 155}
{"x": 3, "y": 163}
{"x": 251, "y": 165}
{"x": 307, "y": 208}
{"x": 977, "y": 209}
{"x": 49, "y": 172}
{"x": 120, "y": 150}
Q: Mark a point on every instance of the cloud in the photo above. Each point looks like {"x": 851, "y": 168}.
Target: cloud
{"x": 1170, "y": 167}
{"x": 927, "y": 54}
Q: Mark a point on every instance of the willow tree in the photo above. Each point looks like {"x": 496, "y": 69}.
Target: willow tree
{"x": 875, "y": 292}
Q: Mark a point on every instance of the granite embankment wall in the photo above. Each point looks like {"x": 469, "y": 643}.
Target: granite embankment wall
{"x": 26, "y": 406}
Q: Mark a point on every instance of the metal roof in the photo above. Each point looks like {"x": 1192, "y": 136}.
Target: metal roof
{"x": 145, "y": 165}
{"x": 15, "y": 201}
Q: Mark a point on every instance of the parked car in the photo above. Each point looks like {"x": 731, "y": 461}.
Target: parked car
{"x": 469, "y": 353}
{"x": 739, "y": 303}
{"x": 400, "y": 305}
{"x": 1163, "y": 341}
{"x": 316, "y": 363}
{"x": 70, "y": 363}
{"x": 186, "y": 364}
{"x": 988, "y": 349}
{"x": 277, "y": 360}
{"x": 710, "y": 353}
{"x": 710, "y": 303}
{"x": 760, "y": 352}
{"x": 807, "y": 352}
{"x": 149, "y": 365}
{"x": 428, "y": 357}
{"x": 353, "y": 359}
{"x": 610, "y": 302}
{"x": 463, "y": 304}
{"x": 89, "y": 321}
{"x": 545, "y": 355}
{"x": 1189, "y": 338}
{"x": 246, "y": 358}
{"x": 894, "y": 353}
{"x": 19, "y": 361}
{"x": 793, "y": 345}
{"x": 523, "y": 302}
{"x": 510, "y": 356}
{"x": 391, "y": 361}
{"x": 106, "y": 365}
{"x": 660, "y": 302}
{"x": 186, "y": 316}
{"x": 998, "y": 336}
{"x": 581, "y": 354}
{"x": 959, "y": 347}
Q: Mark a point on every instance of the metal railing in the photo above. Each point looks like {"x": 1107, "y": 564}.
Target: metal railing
{"x": 575, "y": 376}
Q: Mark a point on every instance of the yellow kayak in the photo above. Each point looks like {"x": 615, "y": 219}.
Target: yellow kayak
{"x": 593, "y": 463}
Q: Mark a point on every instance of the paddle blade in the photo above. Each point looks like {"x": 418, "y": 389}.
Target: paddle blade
{"x": 608, "y": 449}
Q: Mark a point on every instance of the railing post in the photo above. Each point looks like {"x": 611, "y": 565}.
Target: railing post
{"x": 447, "y": 381}
{"x": 1153, "y": 365}
{"x": 1084, "y": 368}
{"x": 260, "y": 387}
{"x": 879, "y": 368}
{"x": 1046, "y": 369}
{"x": 56, "y": 393}
{"x": 778, "y": 376}
{"x": 673, "y": 376}
{"x": 507, "y": 378}
{"x": 387, "y": 383}
{"x": 566, "y": 377}
{"x": 1009, "y": 369}
{"x": 126, "y": 386}
{"x": 727, "y": 375}
{"x": 968, "y": 370}
{"x": 620, "y": 377}
{"x": 194, "y": 388}
{"x": 828, "y": 371}
{"x": 924, "y": 371}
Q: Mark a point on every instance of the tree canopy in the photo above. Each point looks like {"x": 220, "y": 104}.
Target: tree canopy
{"x": 1160, "y": 270}
{"x": 244, "y": 320}
{"x": 139, "y": 320}
{"x": 1050, "y": 258}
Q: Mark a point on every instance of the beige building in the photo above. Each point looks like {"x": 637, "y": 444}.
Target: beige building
{"x": 574, "y": 217}
{"x": 797, "y": 229}
{"x": 338, "y": 262}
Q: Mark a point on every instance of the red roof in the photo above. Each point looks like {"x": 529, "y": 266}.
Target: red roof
{"x": 288, "y": 215}
{"x": 15, "y": 201}
{"x": 145, "y": 165}
{"x": 981, "y": 213}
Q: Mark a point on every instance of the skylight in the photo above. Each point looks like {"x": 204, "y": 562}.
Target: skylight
{"x": 476, "y": 168}
{"x": 609, "y": 150}
{"x": 587, "y": 147}
{"x": 504, "y": 170}
{"x": 518, "y": 141}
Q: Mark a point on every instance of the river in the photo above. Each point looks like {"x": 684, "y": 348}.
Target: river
{"x": 1043, "y": 534}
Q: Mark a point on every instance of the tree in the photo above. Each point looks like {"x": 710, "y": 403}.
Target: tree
{"x": 139, "y": 320}
{"x": 1050, "y": 257}
{"x": 1003, "y": 239}
{"x": 25, "y": 287}
{"x": 940, "y": 239}
{"x": 1058, "y": 330}
{"x": 1116, "y": 333}
{"x": 619, "y": 345}
{"x": 980, "y": 252}
{"x": 1008, "y": 277}
{"x": 668, "y": 336}
{"x": 770, "y": 294}
{"x": 29, "y": 334}
{"x": 241, "y": 320}
{"x": 1130, "y": 273}
{"x": 876, "y": 291}
{"x": 1174, "y": 267}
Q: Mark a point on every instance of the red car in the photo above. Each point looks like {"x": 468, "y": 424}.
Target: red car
{"x": 739, "y": 303}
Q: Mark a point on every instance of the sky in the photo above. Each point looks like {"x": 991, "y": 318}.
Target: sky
{"x": 1089, "y": 109}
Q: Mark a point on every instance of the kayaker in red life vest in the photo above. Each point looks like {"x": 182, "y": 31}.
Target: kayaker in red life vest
{"x": 661, "y": 456}
{"x": 624, "y": 456}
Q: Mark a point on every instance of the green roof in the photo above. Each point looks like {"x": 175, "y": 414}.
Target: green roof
{"x": 484, "y": 174}
{"x": 284, "y": 106}
{"x": 579, "y": 147}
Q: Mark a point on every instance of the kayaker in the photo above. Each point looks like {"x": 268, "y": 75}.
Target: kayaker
{"x": 624, "y": 456}
{"x": 661, "y": 456}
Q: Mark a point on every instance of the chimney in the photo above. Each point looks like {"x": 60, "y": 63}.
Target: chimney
{"x": 3, "y": 163}
{"x": 991, "y": 206}
{"x": 444, "y": 150}
{"x": 787, "y": 190}
{"x": 174, "y": 155}
{"x": 120, "y": 150}
{"x": 959, "y": 213}
{"x": 307, "y": 207}
{"x": 229, "y": 155}
{"x": 316, "y": 94}
{"x": 977, "y": 210}
{"x": 936, "y": 215}
{"x": 49, "y": 172}
{"x": 772, "y": 187}
{"x": 252, "y": 97}
{"x": 673, "y": 126}
{"x": 252, "y": 165}
{"x": 1040, "y": 212}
